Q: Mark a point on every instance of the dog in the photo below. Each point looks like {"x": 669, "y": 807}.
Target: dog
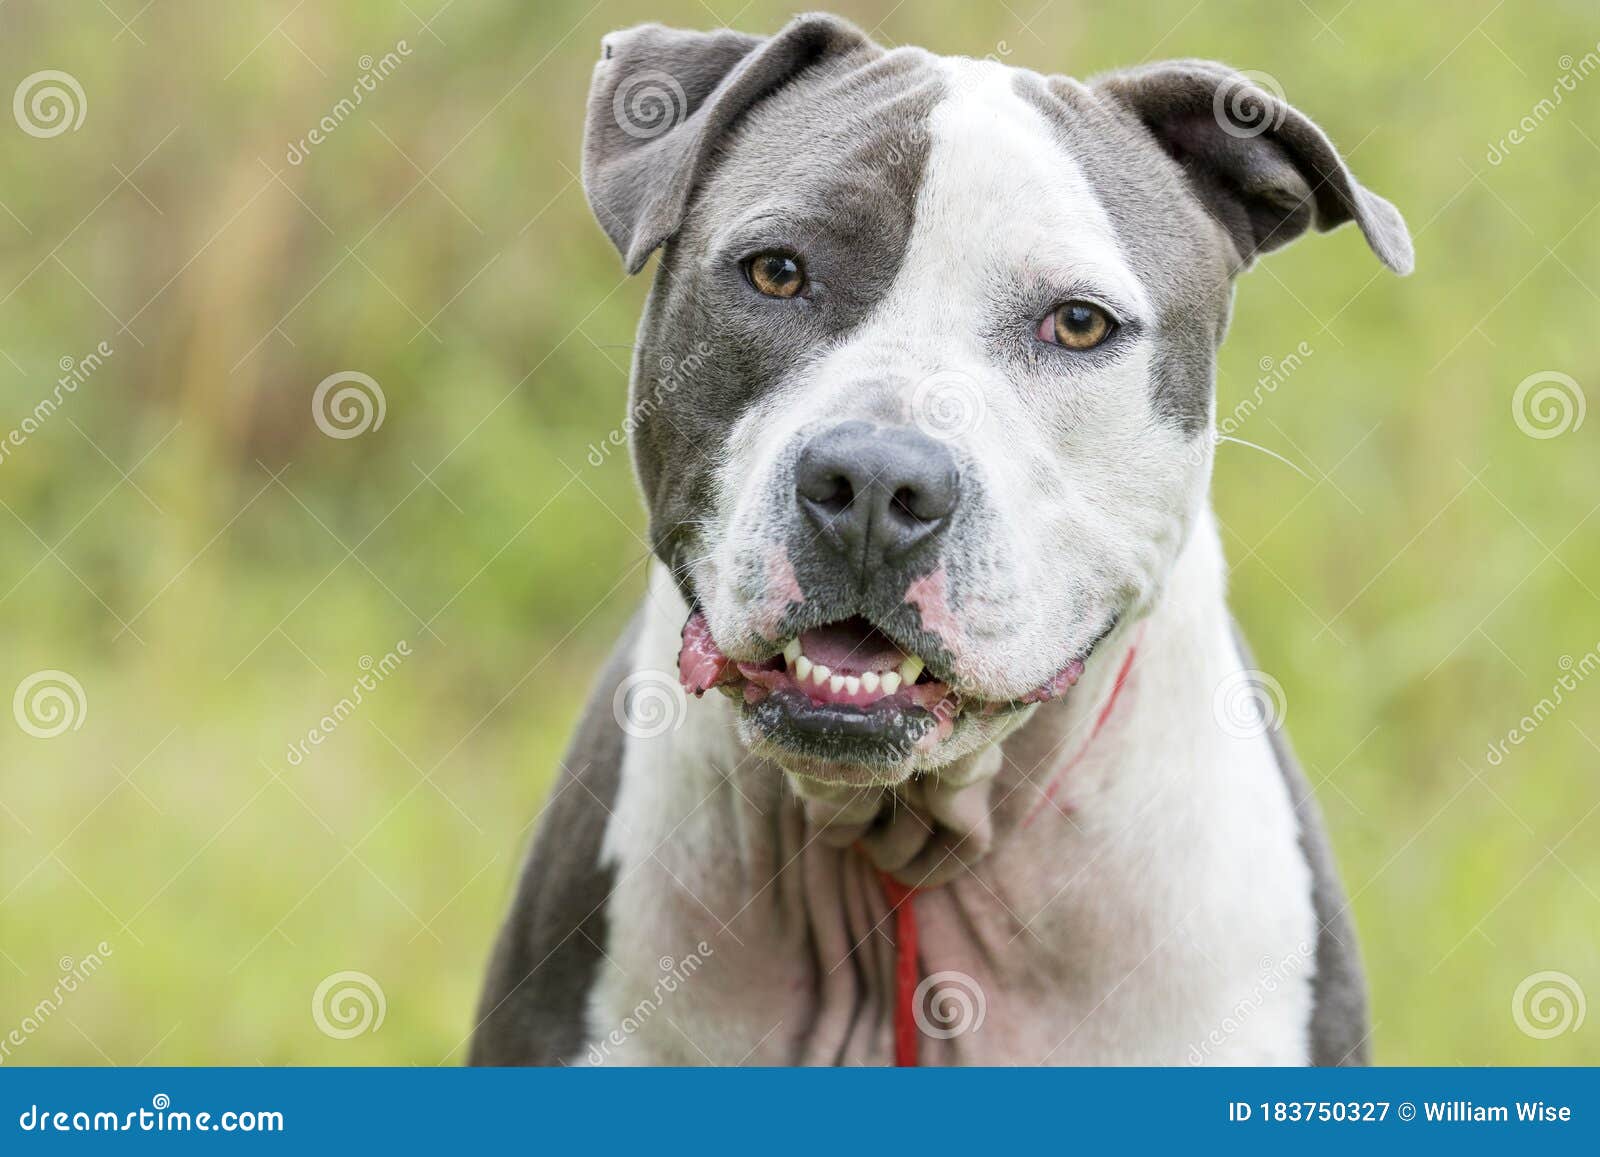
{"x": 922, "y": 411}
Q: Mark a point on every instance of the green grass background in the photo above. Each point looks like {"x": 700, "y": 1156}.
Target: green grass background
{"x": 212, "y": 569}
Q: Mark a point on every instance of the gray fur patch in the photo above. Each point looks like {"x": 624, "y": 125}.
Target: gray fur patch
{"x": 827, "y": 166}
{"x": 535, "y": 997}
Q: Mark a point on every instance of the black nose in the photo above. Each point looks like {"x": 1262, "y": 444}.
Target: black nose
{"x": 876, "y": 494}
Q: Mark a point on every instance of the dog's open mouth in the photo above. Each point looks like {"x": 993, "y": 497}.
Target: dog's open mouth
{"x": 845, "y": 691}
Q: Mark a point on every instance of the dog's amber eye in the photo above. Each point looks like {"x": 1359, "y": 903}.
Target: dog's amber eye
{"x": 776, "y": 274}
{"x": 1077, "y": 325}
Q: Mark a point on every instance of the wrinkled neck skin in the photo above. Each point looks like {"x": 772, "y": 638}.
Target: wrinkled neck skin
{"x": 1156, "y": 910}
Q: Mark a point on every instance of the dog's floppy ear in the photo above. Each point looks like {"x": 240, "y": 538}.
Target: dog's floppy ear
{"x": 658, "y": 103}
{"x": 1264, "y": 171}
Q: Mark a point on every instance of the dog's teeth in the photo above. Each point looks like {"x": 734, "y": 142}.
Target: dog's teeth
{"x": 869, "y": 681}
{"x": 910, "y": 668}
{"x": 791, "y": 650}
{"x": 852, "y": 685}
{"x": 836, "y": 684}
{"x": 802, "y": 668}
{"x": 820, "y": 673}
{"x": 891, "y": 682}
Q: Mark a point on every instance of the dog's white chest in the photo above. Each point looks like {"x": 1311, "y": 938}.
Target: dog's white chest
{"x": 1120, "y": 951}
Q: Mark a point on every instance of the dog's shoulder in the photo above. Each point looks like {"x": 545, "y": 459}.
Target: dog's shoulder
{"x": 1338, "y": 1030}
{"x": 536, "y": 994}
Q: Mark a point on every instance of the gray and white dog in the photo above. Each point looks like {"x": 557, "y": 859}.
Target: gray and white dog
{"x": 922, "y": 410}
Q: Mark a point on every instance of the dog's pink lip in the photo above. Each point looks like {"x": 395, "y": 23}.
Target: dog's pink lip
{"x": 702, "y": 665}
{"x": 1057, "y": 685}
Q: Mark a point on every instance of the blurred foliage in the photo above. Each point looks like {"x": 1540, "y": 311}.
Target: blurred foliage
{"x": 182, "y": 539}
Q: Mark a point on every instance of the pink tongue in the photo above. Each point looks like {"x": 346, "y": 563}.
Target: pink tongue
{"x": 701, "y": 663}
{"x": 852, "y": 647}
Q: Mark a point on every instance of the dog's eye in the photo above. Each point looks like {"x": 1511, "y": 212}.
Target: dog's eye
{"x": 776, "y": 274}
{"x": 1077, "y": 325}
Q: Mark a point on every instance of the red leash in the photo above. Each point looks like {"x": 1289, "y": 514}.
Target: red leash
{"x": 902, "y": 899}
{"x": 902, "y": 904}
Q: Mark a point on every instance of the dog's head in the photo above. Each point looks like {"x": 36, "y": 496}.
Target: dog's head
{"x": 922, "y": 398}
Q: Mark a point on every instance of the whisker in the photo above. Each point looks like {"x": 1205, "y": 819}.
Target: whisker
{"x": 1268, "y": 453}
